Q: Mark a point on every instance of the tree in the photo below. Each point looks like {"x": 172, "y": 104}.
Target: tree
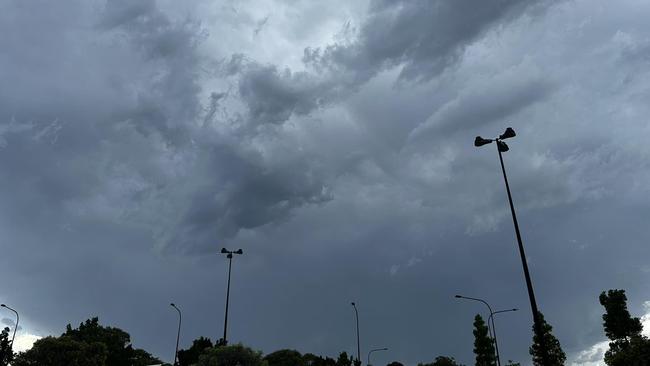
{"x": 6, "y": 349}
{"x": 483, "y": 345}
{"x": 285, "y": 357}
{"x": 63, "y": 351}
{"x": 628, "y": 346}
{"x": 232, "y": 355}
{"x": 90, "y": 344}
{"x": 617, "y": 321}
{"x": 556, "y": 356}
{"x": 395, "y": 363}
{"x": 191, "y": 355}
{"x": 311, "y": 359}
{"x": 442, "y": 361}
{"x": 513, "y": 363}
{"x": 344, "y": 360}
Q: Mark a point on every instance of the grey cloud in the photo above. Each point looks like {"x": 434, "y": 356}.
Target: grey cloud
{"x": 126, "y": 137}
{"x": 272, "y": 96}
{"x": 424, "y": 37}
{"x": 486, "y": 101}
{"x": 115, "y": 156}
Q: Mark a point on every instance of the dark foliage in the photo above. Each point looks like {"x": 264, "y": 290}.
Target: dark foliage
{"x": 442, "y": 361}
{"x": 6, "y": 350}
{"x": 190, "y": 356}
{"x": 285, "y": 357}
{"x": 483, "y": 345}
{"x": 556, "y": 356}
{"x": 628, "y": 347}
{"x": 90, "y": 344}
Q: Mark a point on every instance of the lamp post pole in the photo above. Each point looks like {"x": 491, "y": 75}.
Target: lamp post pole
{"x": 15, "y": 326}
{"x": 178, "y": 335}
{"x": 502, "y": 147}
{"x": 375, "y": 350}
{"x": 490, "y": 320}
{"x": 356, "y": 312}
{"x": 225, "y": 323}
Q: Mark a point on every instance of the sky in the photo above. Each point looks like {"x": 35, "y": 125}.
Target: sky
{"x": 333, "y": 142}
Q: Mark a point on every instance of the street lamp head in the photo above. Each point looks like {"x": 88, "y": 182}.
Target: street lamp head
{"x": 502, "y": 146}
{"x": 515, "y": 309}
{"x": 172, "y": 304}
{"x": 479, "y": 141}
{"x": 239, "y": 251}
{"x": 224, "y": 250}
{"x": 3, "y": 305}
{"x": 353, "y": 304}
{"x": 458, "y": 296}
{"x": 508, "y": 134}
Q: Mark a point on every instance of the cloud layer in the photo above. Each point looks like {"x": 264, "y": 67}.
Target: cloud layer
{"x": 333, "y": 143}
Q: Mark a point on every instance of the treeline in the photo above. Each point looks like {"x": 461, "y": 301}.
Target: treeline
{"x": 92, "y": 344}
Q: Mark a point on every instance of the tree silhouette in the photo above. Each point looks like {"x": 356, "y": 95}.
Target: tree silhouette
{"x": 231, "y": 355}
{"x": 628, "y": 347}
{"x": 90, "y": 344}
{"x": 395, "y": 363}
{"x": 311, "y": 359}
{"x": 442, "y": 361}
{"x": 6, "y": 350}
{"x": 190, "y": 356}
{"x": 555, "y": 354}
{"x": 285, "y": 357}
{"x": 617, "y": 321}
{"x": 344, "y": 359}
{"x": 483, "y": 345}
{"x": 63, "y": 351}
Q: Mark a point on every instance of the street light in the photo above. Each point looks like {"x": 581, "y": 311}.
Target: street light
{"x": 493, "y": 333}
{"x": 178, "y": 335}
{"x": 375, "y": 350}
{"x": 225, "y": 323}
{"x": 501, "y": 148}
{"x": 15, "y": 326}
{"x": 358, "y": 343}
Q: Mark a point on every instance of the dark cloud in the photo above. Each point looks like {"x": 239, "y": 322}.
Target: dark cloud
{"x": 422, "y": 37}
{"x": 133, "y": 147}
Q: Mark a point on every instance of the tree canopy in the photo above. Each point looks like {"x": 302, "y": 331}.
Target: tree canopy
{"x": 483, "y": 345}
{"x": 285, "y": 357}
{"x": 628, "y": 346}
{"x": 231, "y": 355}
{"x": 6, "y": 350}
{"x": 442, "y": 361}
{"x": 556, "y": 356}
{"x": 190, "y": 356}
{"x": 89, "y": 344}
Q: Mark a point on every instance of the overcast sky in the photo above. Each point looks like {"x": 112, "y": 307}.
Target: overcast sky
{"x": 333, "y": 142}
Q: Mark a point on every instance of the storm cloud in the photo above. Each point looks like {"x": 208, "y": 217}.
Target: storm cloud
{"x": 335, "y": 147}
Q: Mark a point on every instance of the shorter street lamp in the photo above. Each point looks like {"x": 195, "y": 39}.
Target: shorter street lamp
{"x": 15, "y": 326}
{"x": 178, "y": 335}
{"x": 493, "y": 333}
{"x": 375, "y": 350}
{"x": 501, "y": 311}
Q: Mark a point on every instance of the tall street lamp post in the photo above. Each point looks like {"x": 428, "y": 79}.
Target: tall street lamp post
{"x": 493, "y": 333}
{"x": 178, "y": 335}
{"x": 15, "y": 326}
{"x": 225, "y": 323}
{"x": 375, "y": 350}
{"x": 501, "y": 148}
{"x": 356, "y": 312}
